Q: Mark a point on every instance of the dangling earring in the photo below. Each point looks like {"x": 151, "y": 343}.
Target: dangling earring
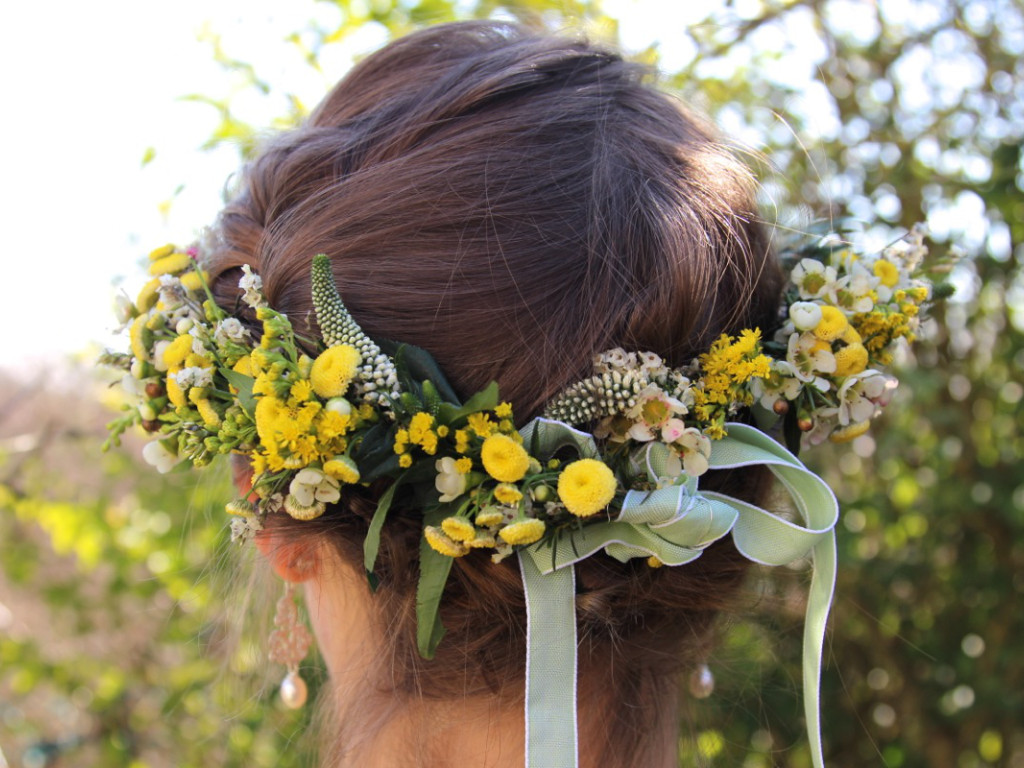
{"x": 288, "y": 645}
{"x": 702, "y": 682}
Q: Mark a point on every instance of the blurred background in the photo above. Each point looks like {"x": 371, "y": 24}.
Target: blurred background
{"x": 121, "y": 642}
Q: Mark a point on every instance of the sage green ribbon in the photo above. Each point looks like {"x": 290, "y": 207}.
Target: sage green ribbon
{"x": 674, "y": 524}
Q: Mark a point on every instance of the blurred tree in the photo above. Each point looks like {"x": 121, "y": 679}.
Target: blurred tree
{"x": 885, "y": 114}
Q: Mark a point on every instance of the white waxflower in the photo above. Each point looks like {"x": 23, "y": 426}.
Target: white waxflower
{"x": 156, "y": 454}
{"x": 652, "y": 365}
{"x": 450, "y": 483}
{"x": 855, "y": 291}
{"x": 311, "y": 485}
{"x": 812, "y": 278}
{"x": 805, "y": 315}
{"x": 808, "y": 357}
{"x": 252, "y": 284}
{"x": 781, "y": 384}
{"x": 613, "y": 359}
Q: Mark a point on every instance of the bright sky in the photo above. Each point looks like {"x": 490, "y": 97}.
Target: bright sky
{"x": 101, "y": 82}
{"x": 88, "y": 88}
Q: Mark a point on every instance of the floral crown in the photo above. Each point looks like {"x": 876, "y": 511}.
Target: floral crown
{"x": 360, "y": 411}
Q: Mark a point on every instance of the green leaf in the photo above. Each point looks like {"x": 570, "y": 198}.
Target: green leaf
{"x": 243, "y": 384}
{"x": 372, "y": 543}
{"x": 486, "y": 399}
{"x": 418, "y": 365}
{"x": 434, "y": 570}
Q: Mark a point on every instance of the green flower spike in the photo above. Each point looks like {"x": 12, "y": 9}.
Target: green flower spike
{"x": 376, "y": 379}
{"x": 605, "y": 394}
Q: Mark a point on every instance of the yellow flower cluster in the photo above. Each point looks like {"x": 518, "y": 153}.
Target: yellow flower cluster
{"x": 421, "y": 432}
{"x": 726, "y": 370}
{"x": 586, "y": 487}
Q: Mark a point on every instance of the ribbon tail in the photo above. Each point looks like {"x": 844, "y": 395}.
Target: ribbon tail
{"x": 819, "y": 599}
{"x": 551, "y": 732}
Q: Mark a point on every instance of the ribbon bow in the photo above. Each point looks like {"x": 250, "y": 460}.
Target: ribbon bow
{"x": 675, "y": 525}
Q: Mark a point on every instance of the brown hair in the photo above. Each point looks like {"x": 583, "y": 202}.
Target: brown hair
{"x": 514, "y": 203}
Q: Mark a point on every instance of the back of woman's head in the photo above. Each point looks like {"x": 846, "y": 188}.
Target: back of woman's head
{"x": 514, "y": 204}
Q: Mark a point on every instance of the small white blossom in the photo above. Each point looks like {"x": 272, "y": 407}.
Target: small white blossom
{"x": 172, "y": 292}
{"x": 805, "y": 315}
{"x": 813, "y": 279}
{"x": 450, "y": 483}
{"x": 194, "y": 376}
{"x": 807, "y": 357}
{"x": 156, "y": 454}
{"x": 230, "y": 329}
{"x": 311, "y": 485}
{"x": 855, "y": 291}
{"x": 244, "y": 528}
{"x": 252, "y": 284}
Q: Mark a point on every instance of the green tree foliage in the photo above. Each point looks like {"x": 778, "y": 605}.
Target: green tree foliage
{"x": 888, "y": 113}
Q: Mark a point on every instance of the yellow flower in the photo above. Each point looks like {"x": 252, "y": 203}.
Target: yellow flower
{"x": 887, "y": 272}
{"x": 522, "y": 531}
{"x": 419, "y": 426}
{"x": 243, "y": 365}
{"x": 458, "y": 529}
{"x": 851, "y": 359}
{"x": 175, "y": 393}
{"x": 461, "y": 440}
{"x": 159, "y": 253}
{"x": 405, "y": 461}
{"x": 504, "y": 459}
{"x": 148, "y": 295}
{"x": 463, "y": 465}
{"x": 170, "y": 265}
{"x": 503, "y": 411}
{"x": 481, "y": 424}
{"x": 845, "y": 434}
{"x": 301, "y": 390}
{"x": 192, "y": 280}
{"x": 342, "y": 468}
{"x": 586, "y": 487}
{"x": 137, "y": 338}
{"x": 401, "y": 441}
{"x": 653, "y": 562}
{"x": 209, "y": 415}
{"x": 333, "y": 370}
{"x": 442, "y": 431}
{"x": 241, "y": 507}
{"x": 508, "y": 494}
{"x": 177, "y": 351}
{"x": 439, "y": 542}
{"x": 833, "y": 324}
{"x": 489, "y": 517}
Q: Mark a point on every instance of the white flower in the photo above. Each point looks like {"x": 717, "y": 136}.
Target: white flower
{"x": 805, "y": 315}
{"x": 781, "y": 384}
{"x": 807, "y": 357}
{"x": 311, "y": 485}
{"x": 652, "y": 411}
{"x": 694, "y": 448}
{"x": 198, "y": 345}
{"x": 124, "y": 310}
{"x": 244, "y": 528}
{"x": 812, "y": 278}
{"x": 194, "y": 376}
{"x": 172, "y": 292}
{"x": 652, "y": 365}
{"x": 230, "y": 329}
{"x": 156, "y": 454}
{"x": 252, "y": 284}
{"x": 450, "y": 483}
{"x": 855, "y": 291}
{"x": 131, "y": 385}
{"x": 614, "y": 359}
{"x": 825, "y": 422}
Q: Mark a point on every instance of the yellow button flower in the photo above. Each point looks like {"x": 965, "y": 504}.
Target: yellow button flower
{"x": 342, "y": 468}
{"x": 504, "y": 458}
{"x": 846, "y": 434}
{"x": 832, "y": 325}
{"x": 887, "y": 272}
{"x": 333, "y": 370}
{"x": 458, "y": 529}
{"x": 522, "y": 531}
{"x": 439, "y": 542}
{"x": 851, "y": 359}
{"x": 586, "y": 487}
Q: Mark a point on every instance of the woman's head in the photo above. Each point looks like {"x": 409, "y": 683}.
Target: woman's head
{"x": 513, "y": 204}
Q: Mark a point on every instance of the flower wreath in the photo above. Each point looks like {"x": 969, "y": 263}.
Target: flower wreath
{"x": 361, "y": 411}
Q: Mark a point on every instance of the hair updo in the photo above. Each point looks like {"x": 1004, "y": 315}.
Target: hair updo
{"x": 515, "y": 203}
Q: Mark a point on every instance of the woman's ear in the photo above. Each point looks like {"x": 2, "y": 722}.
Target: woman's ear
{"x": 293, "y": 560}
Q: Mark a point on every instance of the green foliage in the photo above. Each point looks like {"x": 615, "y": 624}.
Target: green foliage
{"x": 112, "y": 619}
